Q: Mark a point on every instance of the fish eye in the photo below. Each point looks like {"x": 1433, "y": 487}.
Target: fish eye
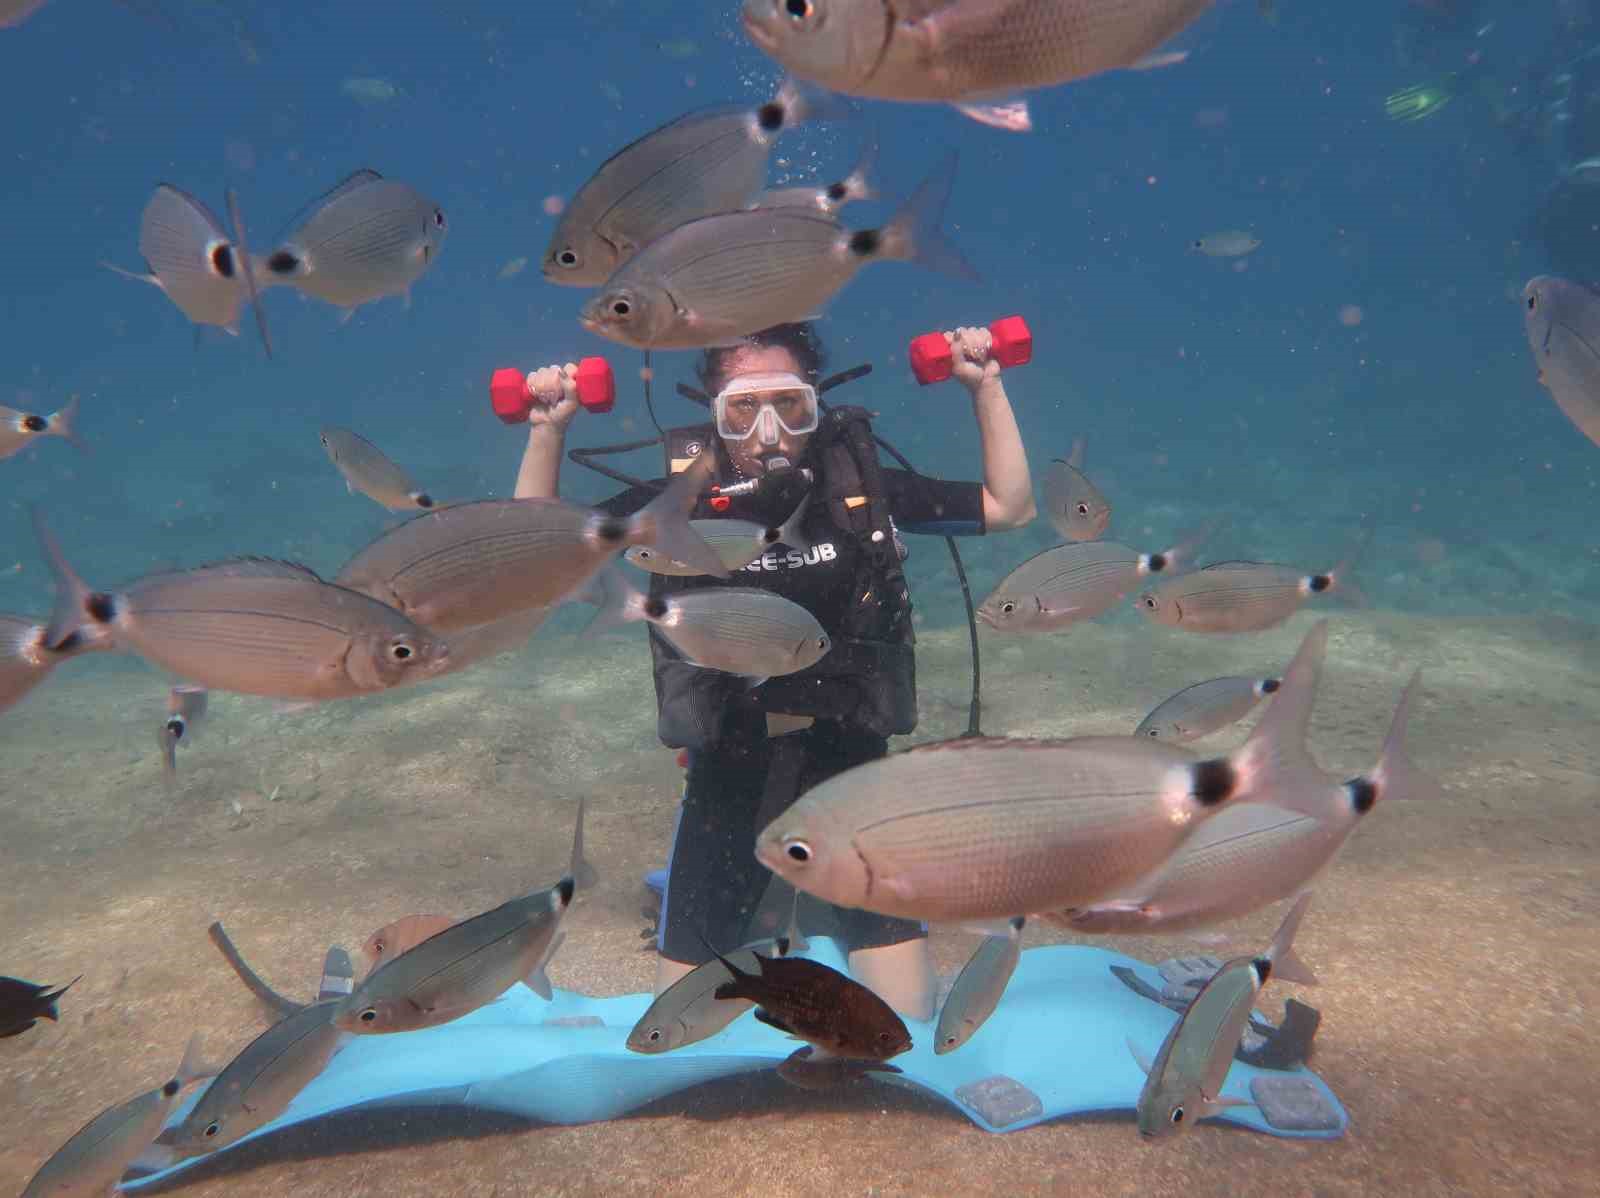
{"x": 567, "y": 257}
{"x": 377, "y": 946}
{"x": 798, "y": 10}
{"x": 438, "y": 217}
{"x": 1083, "y": 509}
{"x": 1153, "y": 733}
{"x": 887, "y": 1036}
{"x": 1149, "y": 602}
{"x": 212, "y": 1128}
{"x": 1533, "y": 301}
{"x": 654, "y": 1035}
{"x": 822, "y": 642}
{"x": 1007, "y": 608}
{"x": 370, "y": 1015}
{"x": 797, "y": 851}
{"x": 1177, "y": 1114}
{"x": 401, "y": 651}
{"x": 621, "y": 307}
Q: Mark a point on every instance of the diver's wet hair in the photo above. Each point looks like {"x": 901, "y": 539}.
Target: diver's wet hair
{"x": 799, "y": 338}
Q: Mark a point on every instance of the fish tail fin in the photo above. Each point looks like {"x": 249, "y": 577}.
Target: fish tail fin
{"x": 581, "y": 869}
{"x": 1394, "y": 776}
{"x": 1341, "y": 578}
{"x": 49, "y": 1010}
{"x": 249, "y": 269}
{"x": 664, "y": 523}
{"x": 804, "y": 103}
{"x": 1286, "y": 966}
{"x": 73, "y": 595}
{"x": 913, "y": 234}
{"x": 858, "y": 184}
{"x": 789, "y": 533}
{"x": 1274, "y": 763}
{"x": 64, "y": 424}
{"x": 619, "y": 601}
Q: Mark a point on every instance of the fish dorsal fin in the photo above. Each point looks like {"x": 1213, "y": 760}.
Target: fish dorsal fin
{"x": 1234, "y": 564}
{"x": 260, "y": 567}
{"x": 199, "y": 206}
{"x": 1075, "y": 456}
{"x": 352, "y": 182}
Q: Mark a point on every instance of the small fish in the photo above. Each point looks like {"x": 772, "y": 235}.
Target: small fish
{"x": 23, "y": 1004}
{"x": 257, "y": 1086}
{"x": 367, "y": 238}
{"x": 807, "y": 1069}
{"x": 1258, "y": 853}
{"x": 973, "y": 54}
{"x": 1205, "y": 707}
{"x": 1073, "y": 503}
{"x": 982, "y": 828}
{"x": 831, "y": 197}
{"x": 1243, "y": 596}
{"x": 253, "y": 626}
{"x": 513, "y": 268}
{"x": 191, "y": 257}
{"x": 18, "y": 430}
{"x": 736, "y": 542}
{"x": 479, "y": 563}
{"x": 833, "y": 1013}
{"x": 368, "y": 91}
{"x": 1233, "y": 243}
{"x": 367, "y": 469}
{"x": 186, "y": 707}
{"x": 1184, "y": 1084}
{"x": 679, "y": 48}
{"x": 978, "y": 989}
{"x": 689, "y": 1010}
{"x": 1562, "y": 319}
{"x": 26, "y": 660}
{"x": 725, "y": 276}
{"x": 1073, "y": 582}
{"x": 706, "y": 161}
{"x": 748, "y": 631}
{"x": 94, "y": 1159}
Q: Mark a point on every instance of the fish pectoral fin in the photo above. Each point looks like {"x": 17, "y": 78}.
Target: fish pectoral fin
{"x": 900, "y": 886}
{"x": 1009, "y": 113}
{"x": 1222, "y": 1102}
{"x": 1139, "y": 1058}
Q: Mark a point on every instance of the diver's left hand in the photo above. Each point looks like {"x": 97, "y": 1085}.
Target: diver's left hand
{"x": 972, "y": 363}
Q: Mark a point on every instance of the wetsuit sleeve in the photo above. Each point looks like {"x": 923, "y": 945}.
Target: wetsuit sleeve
{"x": 934, "y": 506}
{"x": 626, "y": 503}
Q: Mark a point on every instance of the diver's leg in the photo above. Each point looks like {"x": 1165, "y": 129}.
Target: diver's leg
{"x": 901, "y": 974}
{"x": 669, "y": 971}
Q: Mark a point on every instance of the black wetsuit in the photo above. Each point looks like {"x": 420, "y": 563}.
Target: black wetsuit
{"x": 739, "y": 777}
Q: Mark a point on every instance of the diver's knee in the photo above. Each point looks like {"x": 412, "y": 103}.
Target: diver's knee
{"x": 901, "y": 974}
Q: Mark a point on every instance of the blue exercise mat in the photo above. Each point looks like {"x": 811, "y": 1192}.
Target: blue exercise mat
{"x": 1056, "y": 1046}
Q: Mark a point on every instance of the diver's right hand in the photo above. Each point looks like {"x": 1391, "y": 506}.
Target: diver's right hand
{"x": 556, "y": 389}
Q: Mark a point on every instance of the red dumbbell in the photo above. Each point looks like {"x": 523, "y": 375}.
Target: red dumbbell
{"x": 512, "y": 398}
{"x": 1010, "y": 344}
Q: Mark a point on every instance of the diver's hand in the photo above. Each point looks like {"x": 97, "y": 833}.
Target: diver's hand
{"x": 556, "y": 389}
{"x": 972, "y": 363}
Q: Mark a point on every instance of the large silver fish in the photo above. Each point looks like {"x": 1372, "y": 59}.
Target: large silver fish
{"x": 1184, "y": 1083}
{"x": 257, "y": 1086}
{"x": 367, "y": 469}
{"x": 1073, "y": 503}
{"x": 1259, "y": 852}
{"x": 18, "y": 430}
{"x": 726, "y": 276}
{"x": 983, "y": 828}
{"x": 479, "y": 563}
{"x": 978, "y": 989}
{"x": 93, "y": 1161}
{"x": 186, "y": 708}
{"x": 1060, "y": 587}
{"x": 970, "y": 53}
{"x": 710, "y": 160}
{"x": 1563, "y": 324}
{"x": 26, "y": 660}
{"x": 1237, "y": 596}
{"x": 1204, "y": 708}
{"x": 253, "y": 626}
{"x": 367, "y": 238}
{"x": 737, "y": 543}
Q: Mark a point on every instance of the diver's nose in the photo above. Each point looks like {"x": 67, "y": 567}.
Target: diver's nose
{"x": 767, "y": 431}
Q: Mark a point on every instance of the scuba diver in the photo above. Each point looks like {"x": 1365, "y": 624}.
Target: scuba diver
{"x": 753, "y": 750}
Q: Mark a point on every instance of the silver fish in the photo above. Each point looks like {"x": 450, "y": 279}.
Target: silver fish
{"x": 980, "y": 828}
{"x": 18, "y": 430}
{"x": 367, "y": 469}
{"x": 93, "y": 1160}
{"x": 1184, "y": 1083}
{"x": 736, "y": 542}
{"x": 367, "y": 238}
{"x": 739, "y": 630}
{"x": 253, "y": 626}
{"x": 829, "y": 198}
{"x": 14, "y": 12}
{"x": 1239, "y": 596}
{"x": 26, "y": 660}
{"x": 1073, "y": 503}
{"x": 1562, "y": 319}
{"x": 710, "y": 160}
{"x": 1204, "y": 708}
{"x": 978, "y": 989}
{"x": 1257, "y": 853}
{"x": 1073, "y": 582}
{"x": 192, "y": 258}
{"x": 257, "y": 1086}
{"x": 1233, "y": 243}
{"x": 458, "y": 970}
{"x": 726, "y": 276}
{"x": 186, "y": 707}
{"x": 689, "y": 1011}
{"x": 969, "y": 53}
{"x": 479, "y": 563}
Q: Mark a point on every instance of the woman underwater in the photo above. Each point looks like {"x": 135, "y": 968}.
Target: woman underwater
{"x": 752, "y": 751}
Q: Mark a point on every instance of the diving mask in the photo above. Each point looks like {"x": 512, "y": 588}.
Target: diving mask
{"x": 761, "y": 405}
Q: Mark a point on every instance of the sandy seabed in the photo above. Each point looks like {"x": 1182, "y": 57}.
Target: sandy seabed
{"x": 1458, "y": 943}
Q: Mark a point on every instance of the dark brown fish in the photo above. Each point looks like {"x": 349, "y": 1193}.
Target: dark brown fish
{"x": 23, "y": 1004}
{"x": 808, "y": 1069}
{"x": 834, "y": 1013}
